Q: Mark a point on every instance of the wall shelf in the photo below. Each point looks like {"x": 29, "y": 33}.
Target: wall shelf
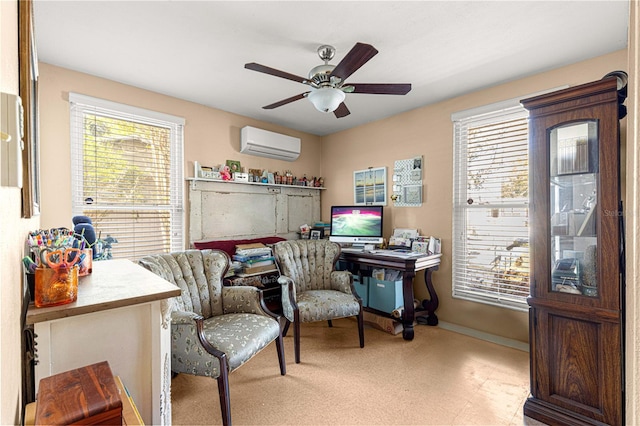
{"x": 253, "y": 183}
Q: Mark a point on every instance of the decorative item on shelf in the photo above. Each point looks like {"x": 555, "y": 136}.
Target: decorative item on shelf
{"x": 225, "y": 173}
{"x": 205, "y": 172}
{"x": 289, "y": 177}
{"x": 317, "y": 233}
{"x": 325, "y": 227}
{"x": 305, "y": 231}
{"x": 253, "y": 174}
{"x": 319, "y": 182}
{"x": 241, "y": 177}
{"x": 234, "y": 166}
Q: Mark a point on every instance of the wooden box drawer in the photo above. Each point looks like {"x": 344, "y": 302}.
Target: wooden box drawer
{"x": 86, "y": 396}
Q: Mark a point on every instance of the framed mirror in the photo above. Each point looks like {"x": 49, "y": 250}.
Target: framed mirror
{"x": 28, "y": 76}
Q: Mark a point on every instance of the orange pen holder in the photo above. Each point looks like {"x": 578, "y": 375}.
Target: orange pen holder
{"x": 86, "y": 266}
{"x": 56, "y": 286}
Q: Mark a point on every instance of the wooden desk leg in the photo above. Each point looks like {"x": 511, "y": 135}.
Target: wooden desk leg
{"x": 409, "y": 311}
{"x": 432, "y": 304}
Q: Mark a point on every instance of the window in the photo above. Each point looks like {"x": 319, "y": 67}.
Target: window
{"x": 490, "y": 212}
{"x": 127, "y": 176}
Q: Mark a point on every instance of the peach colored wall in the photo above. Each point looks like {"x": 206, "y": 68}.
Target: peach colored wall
{"x": 211, "y": 136}
{"x": 428, "y": 131}
{"x": 13, "y": 231}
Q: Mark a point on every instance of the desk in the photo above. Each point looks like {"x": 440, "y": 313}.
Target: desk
{"x": 120, "y": 316}
{"x": 409, "y": 266}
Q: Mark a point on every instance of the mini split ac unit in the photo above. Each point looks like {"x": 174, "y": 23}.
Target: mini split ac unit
{"x": 264, "y": 143}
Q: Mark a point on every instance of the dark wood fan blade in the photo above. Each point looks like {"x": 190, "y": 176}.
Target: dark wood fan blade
{"x": 381, "y": 89}
{"x": 272, "y": 71}
{"x": 286, "y": 101}
{"x": 341, "y": 111}
{"x": 357, "y": 57}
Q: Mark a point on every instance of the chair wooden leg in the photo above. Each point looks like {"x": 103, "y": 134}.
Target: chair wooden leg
{"x": 287, "y": 323}
{"x": 330, "y": 323}
{"x": 280, "y": 349}
{"x": 361, "y": 328}
{"x": 223, "y": 391}
{"x": 296, "y": 335}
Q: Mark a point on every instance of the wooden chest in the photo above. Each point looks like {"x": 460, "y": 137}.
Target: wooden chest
{"x": 84, "y": 396}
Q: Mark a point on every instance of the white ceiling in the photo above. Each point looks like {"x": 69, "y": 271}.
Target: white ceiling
{"x": 196, "y": 50}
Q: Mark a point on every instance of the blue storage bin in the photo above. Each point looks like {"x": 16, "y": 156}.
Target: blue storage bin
{"x": 362, "y": 288}
{"x": 385, "y": 296}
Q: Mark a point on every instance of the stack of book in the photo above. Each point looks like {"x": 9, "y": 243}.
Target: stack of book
{"x": 255, "y": 259}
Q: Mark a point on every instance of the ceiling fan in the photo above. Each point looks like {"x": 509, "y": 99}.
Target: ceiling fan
{"x": 328, "y": 82}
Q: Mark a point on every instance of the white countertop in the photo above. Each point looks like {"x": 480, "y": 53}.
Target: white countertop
{"x": 113, "y": 284}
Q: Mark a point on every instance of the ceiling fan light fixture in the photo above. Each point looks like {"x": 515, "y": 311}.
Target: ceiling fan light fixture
{"x": 326, "y": 99}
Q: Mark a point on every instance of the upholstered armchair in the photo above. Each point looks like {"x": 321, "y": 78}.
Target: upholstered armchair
{"x": 312, "y": 290}
{"x": 214, "y": 329}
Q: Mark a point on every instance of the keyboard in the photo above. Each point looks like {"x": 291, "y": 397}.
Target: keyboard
{"x": 352, "y": 250}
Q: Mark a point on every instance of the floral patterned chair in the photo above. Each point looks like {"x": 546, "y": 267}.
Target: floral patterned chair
{"x": 312, "y": 290}
{"x": 214, "y": 329}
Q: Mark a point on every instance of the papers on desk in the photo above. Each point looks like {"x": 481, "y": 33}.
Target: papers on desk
{"x": 402, "y": 254}
{"x": 428, "y": 245}
{"x": 403, "y": 237}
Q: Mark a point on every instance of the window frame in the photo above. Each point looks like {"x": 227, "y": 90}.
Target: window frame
{"x": 79, "y": 105}
{"x": 495, "y": 113}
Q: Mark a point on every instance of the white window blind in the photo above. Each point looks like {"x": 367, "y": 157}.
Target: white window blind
{"x": 490, "y": 212}
{"x": 127, "y": 175}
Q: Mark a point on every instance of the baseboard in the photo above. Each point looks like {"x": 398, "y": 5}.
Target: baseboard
{"x": 511, "y": 343}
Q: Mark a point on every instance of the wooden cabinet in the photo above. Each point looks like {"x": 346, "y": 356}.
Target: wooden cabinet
{"x": 576, "y": 301}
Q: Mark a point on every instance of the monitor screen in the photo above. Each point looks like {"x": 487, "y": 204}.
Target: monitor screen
{"x": 356, "y": 224}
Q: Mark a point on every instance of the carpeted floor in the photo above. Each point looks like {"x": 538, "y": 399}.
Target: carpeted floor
{"x": 439, "y": 378}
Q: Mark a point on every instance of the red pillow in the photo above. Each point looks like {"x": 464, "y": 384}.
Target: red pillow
{"x": 229, "y": 246}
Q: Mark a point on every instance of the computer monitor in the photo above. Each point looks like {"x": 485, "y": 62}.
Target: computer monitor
{"x": 356, "y": 225}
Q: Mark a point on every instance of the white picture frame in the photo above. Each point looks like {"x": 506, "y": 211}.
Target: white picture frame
{"x": 413, "y": 194}
{"x": 370, "y": 186}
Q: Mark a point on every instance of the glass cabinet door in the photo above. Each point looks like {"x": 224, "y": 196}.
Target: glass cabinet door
{"x": 573, "y": 199}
